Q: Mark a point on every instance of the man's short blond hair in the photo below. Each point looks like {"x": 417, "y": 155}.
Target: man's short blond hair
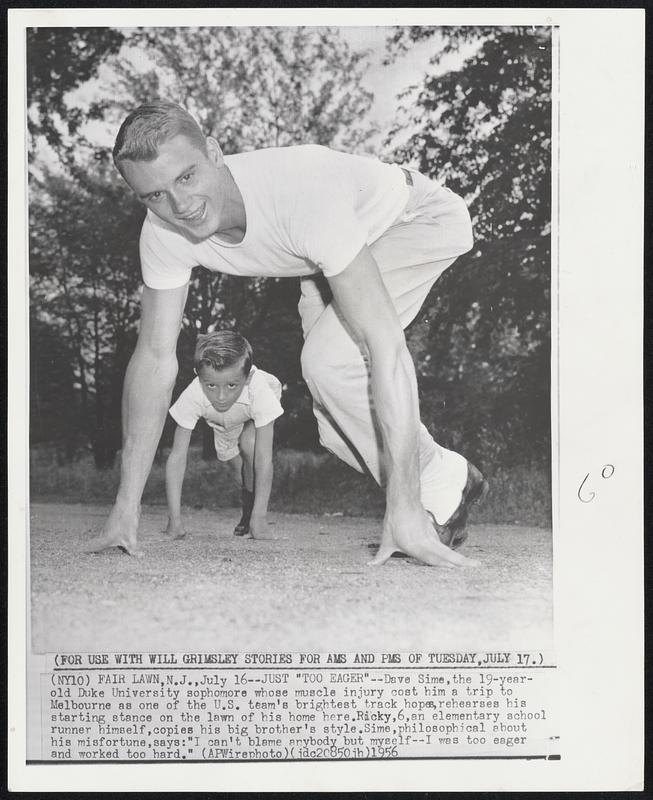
{"x": 147, "y": 127}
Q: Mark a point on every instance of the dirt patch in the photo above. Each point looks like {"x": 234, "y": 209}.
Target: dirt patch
{"x": 309, "y": 591}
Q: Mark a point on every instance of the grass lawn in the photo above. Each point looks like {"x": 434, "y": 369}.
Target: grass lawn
{"x": 304, "y": 483}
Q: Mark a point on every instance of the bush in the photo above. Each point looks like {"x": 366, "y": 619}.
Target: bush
{"x": 304, "y": 483}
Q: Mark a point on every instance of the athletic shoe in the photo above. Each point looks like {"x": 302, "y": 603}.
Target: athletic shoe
{"x": 453, "y": 532}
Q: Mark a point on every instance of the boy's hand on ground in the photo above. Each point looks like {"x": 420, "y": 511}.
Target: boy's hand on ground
{"x": 120, "y": 530}
{"x": 175, "y": 529}
{"x": 259, "y": 529}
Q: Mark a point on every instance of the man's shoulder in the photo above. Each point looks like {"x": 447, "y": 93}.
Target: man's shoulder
{"x": 290, "y": 159}
{"x": 289, "y": 184}
{"x": 288, "y": 151}
{"x": 155, "y": 230}
{"x": 153, "y": 226}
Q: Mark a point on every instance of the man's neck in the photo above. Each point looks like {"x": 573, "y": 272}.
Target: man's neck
{"x": 234, "y": 225}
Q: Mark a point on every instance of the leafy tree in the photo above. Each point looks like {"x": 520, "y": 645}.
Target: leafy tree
{"x": 483, "y": 345}
{"x": 84, "y": 289}
{"x": 54, "y": 403}
{"x": 59, "y": 60}
{"x": 250, "y": 88}
{"x": 253, "y": 87}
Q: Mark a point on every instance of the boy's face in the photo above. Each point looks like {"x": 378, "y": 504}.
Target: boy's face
{"x": 222, "y": 387}
{"x": 182, "y": 185}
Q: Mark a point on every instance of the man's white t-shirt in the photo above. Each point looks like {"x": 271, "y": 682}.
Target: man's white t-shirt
{"x": 258, "y": 401}
{"x": 309, "y": 209}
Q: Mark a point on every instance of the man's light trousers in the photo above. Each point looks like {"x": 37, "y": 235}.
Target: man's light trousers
{"x": 433, "y": 230}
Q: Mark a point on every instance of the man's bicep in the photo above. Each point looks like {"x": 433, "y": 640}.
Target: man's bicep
{"x": 161, "y": 315}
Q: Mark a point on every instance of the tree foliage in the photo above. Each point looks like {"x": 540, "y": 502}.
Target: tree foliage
{"x": 483, "y": 344}
{"x": 254, "y": 87}
{"x": 248, "y": 87}
{"x": 84, "y": 290}
{"x": 59, "y": 60}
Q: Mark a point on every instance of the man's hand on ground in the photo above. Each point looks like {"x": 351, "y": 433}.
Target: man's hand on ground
{"x": 120, "y": 530}
{"x": 408, "y": 529}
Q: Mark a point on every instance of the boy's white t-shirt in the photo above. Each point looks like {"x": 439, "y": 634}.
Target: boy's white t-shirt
{"x": 308, "y": 209}
{"x": 258, "y": 401}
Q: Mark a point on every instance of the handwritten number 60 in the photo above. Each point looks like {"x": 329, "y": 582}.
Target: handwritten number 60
{"x": 606, "y": 472}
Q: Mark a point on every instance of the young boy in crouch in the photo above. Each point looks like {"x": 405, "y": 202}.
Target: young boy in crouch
{"x": 240, "y": 403}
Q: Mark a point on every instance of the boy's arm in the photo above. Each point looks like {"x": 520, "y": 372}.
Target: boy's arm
{"x": 175, "y": 470}
{"x": 263, "y": 472}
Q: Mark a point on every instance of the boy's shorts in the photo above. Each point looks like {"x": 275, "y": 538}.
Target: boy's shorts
{"x": 226, "y": 442}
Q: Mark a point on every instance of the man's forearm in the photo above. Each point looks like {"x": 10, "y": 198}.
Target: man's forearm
{"x": 394, "y": 390}
{"x": 366, "y": 307}
{"x": 146, "y": 397}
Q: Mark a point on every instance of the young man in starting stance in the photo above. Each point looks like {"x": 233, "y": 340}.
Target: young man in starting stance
{"x": 369, "y": 240}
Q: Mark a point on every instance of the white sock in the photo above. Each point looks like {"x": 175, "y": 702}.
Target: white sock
{"x": 443, "y": 479}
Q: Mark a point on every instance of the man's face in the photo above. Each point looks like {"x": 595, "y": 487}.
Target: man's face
{"x": 222, "y": 387}
{"x": 182, "y": 185}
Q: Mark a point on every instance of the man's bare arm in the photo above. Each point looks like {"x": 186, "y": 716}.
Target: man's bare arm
{"x": 149, "y": 381}
{"x": 367, "y": 309}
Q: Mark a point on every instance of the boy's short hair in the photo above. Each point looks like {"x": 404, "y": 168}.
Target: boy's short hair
{"x": 221, "y": 350}
{"x": 148, "y": 126}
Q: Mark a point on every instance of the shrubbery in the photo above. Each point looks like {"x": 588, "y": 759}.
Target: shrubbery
{"x": 304, "y": 483}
